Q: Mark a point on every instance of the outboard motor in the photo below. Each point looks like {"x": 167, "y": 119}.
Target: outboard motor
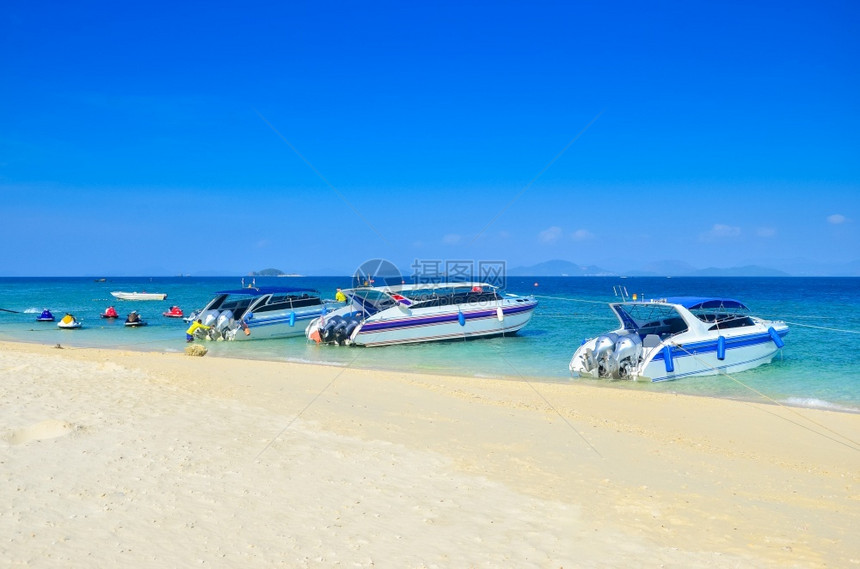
{"x": 208, "y": 317}
{"x": 604, "y": 348}
{"x": 588, "y": 362}
{"x": 350, "y": 328}
{"x": 224, "y": 322}
{"x": 628, "y": 349}
{"x": 327, "y": 334}
{"x": 224, "y": 319}
{"x": 605, "y": 343}
{"x": 340, "y": 331}
{"x": 607, "y": 366}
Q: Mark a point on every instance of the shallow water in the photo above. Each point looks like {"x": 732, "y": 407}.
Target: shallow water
{"x": 815, "y": 369}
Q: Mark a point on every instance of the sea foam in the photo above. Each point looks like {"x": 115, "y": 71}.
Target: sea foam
{"x": 812, "y": 403}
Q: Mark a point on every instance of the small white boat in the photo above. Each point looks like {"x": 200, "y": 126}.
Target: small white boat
{"x": 409, "y": 313}
{"x": 139, "y": 295}
{"x": 671, "y": 338}
{"x": 69, "y": 322}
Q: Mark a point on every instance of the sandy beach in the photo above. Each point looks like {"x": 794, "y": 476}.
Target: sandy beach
{"x": 132, "y": 459}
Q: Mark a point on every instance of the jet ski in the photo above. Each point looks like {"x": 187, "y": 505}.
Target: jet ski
{"x": 110, "y": 312}
{"x": 174, "y": 312}
{"x": 68, "y": 322}
{"x": 45, "y": 316}
{"x": 133, "y": 319}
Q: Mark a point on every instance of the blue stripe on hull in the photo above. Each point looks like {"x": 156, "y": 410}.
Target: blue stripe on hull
{"x": 696, "y": 348}
{"x": 439, "y": 337}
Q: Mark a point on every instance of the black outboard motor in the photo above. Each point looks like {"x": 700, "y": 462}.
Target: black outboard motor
{"x": 327, "y": 334}
{"x": 351, "y": 326}
{"x": 340, "y": 331}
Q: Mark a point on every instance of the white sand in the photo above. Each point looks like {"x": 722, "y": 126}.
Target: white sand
{"x": 122, "y": 459}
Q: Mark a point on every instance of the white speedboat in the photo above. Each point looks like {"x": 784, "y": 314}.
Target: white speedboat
{"x": 259, "y": 313}
{"x": 671, "y": 338}
{"x": 401, "y": 314}
{"x": 139, "y": 295}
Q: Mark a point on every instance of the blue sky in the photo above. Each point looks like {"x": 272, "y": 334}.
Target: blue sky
{"x": 311, "y": 136}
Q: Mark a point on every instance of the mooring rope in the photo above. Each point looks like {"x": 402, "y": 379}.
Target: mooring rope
{"x": 570, "y": 299}
{"x": 822, "y": 327}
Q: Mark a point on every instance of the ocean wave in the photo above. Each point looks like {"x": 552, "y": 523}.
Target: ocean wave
{"x": 813, "y": 403}
{"x": 32, "y": 311}
{"x": 315, "y": 362}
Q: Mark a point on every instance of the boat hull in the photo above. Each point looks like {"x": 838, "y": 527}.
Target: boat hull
{"x": 701, "y": 358}
{"x": 276, "y": 325}
{"x": 430, "y": 326}
{"x": 139, "y": 295}
{"x": 680, "y": 358}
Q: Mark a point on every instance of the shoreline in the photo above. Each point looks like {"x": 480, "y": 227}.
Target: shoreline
{"x": 805, "y": 403}
{"x": 148, "y": 458}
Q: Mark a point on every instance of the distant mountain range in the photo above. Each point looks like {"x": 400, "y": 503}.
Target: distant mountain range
{"x": 561, "y": 268}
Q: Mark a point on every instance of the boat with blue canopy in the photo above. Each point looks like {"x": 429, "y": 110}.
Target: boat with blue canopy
{"x": 258, "y": 313}
{"x": 671, "y": 338}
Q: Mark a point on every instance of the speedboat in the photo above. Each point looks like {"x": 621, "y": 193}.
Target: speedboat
{"x": 139, "y": 295}
{"x": 45, "y": 316}
{"x": 259, "y": 313}
{"x": 69, "y": 322}
{"x": 174, "y": 312}
{"x": 133, "y": 320}
{"x": 110, "y": 312}
{"x": 408, "y": 313}
{"x": 671, "y": 338}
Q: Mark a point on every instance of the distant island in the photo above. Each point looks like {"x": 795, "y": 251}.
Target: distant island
{"x": 793, "y": 267}
{"x": 272, "y": 273}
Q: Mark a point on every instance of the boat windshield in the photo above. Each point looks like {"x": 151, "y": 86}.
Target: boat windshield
{"x": 650, "y": 318}
{"x": 370, "y": 300}
{"x": 724, "y": 317}
{"x": 237, "y": 303}
{"x": 444, "y": 296}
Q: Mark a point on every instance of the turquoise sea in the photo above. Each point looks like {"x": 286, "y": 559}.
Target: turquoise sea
{"x": 816, "y": 368}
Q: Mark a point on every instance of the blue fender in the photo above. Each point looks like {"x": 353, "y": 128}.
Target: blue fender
{"x": 292, "y": 319}
{"x": 721, "y": 348}
{"x": 775, "y": 337}
{"x": 667, "y": 358}
{"x": 461, "y": 318}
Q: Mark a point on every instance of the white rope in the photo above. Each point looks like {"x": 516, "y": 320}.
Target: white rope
{"x": 822, "y": 327}
{"x": 571, "y": 299}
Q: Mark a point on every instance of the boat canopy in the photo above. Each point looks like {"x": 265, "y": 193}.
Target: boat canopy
{"x": 261, "y": 290}
{"x": 697, "y": 302}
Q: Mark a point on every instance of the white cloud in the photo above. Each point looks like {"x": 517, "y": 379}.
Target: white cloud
{"x": 765, "y": 232}
{"x": 721, "y": 231}
{"x": 451, "y": 239}
{"x": 550, "y": 235}
{"x": 582, "y": 235}
{"x": 836, "y": 219}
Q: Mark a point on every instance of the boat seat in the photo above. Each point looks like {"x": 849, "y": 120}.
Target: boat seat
{"x": 651, "y": 341}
